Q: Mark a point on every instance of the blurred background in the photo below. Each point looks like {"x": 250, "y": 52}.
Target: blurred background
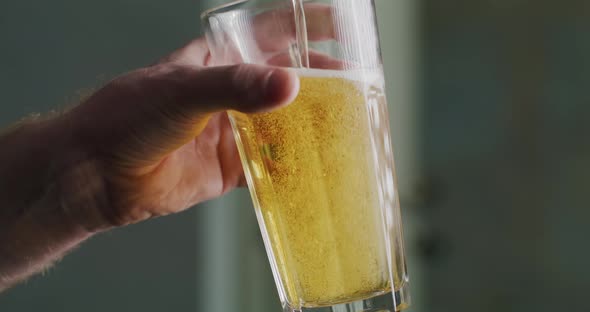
{"x": 490, "y": 121}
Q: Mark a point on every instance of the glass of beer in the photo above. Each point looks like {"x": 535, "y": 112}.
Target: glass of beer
{"x": 320, "y": 170}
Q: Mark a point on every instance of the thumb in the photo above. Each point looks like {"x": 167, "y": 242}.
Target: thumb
{"x": 141, "y": 117}
{"x": 245, "y": 88}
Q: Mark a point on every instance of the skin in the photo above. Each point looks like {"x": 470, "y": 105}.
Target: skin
{"x": 150, "y": 143}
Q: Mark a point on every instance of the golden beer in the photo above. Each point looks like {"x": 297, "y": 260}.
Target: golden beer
{"x": 312, "y": 173}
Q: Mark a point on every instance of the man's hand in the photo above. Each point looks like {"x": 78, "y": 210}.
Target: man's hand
{"x": 160, "y": 137}
{"x": 152, "y": 142}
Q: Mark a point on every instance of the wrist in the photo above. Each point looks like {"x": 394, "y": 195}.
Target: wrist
{"x": 80, "y": 186}
{"x": 83, "y": 194}
{"x": 39, "y": 220}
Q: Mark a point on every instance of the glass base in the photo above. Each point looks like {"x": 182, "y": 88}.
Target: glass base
{"x": 381, "y": 303}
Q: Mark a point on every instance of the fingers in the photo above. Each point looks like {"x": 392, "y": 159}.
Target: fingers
{"x": 195, "y": 53}
{"x": 276, "y": 30}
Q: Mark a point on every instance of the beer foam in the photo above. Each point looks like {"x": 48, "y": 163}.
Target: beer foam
{"x": 358, "y": 75}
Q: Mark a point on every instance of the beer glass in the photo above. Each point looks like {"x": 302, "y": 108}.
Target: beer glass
{"x": 320, "y": 170}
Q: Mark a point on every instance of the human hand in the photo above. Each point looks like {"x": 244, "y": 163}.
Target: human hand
{"x": 157, "y": 140}
{"x": 159, "y": 137}
{"x": 152, "y": 142}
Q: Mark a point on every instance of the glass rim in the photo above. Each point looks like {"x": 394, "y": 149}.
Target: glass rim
{"x": 228, "y": 7}
{"x": 214, "y": 10}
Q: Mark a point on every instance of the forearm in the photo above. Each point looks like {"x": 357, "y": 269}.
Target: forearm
{"x": 36, "y": 191}
{"x": 34, "y": 239}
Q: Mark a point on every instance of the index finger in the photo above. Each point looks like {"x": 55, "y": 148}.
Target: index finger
{"x": 194, "y": 53}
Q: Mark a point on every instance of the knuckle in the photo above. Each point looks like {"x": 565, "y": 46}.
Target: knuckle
{"x": 246, "y": 81}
